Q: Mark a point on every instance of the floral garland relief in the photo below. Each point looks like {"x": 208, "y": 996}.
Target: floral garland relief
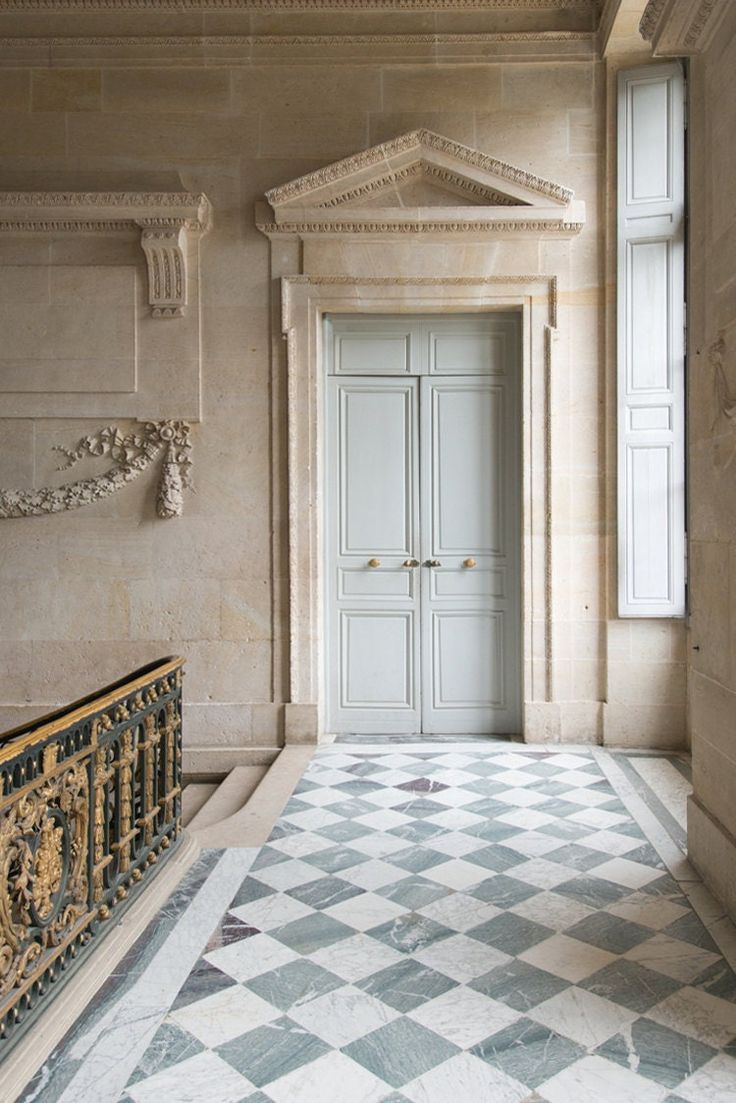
{"x": 131, "y": 455}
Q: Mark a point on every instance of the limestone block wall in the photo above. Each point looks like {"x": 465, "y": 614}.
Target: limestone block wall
{"x": 88, "y": 594}
{"x": 712, "y": 405}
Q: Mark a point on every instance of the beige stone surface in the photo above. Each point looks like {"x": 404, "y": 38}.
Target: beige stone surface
{"x": 88, "y": 595}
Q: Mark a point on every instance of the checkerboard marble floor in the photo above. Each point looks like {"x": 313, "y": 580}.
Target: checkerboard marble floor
{"x": 480, "y": 924}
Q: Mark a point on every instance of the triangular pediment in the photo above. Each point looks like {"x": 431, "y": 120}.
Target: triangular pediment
{"x": 425, "y": 182}
{"x": 425, "y": 153}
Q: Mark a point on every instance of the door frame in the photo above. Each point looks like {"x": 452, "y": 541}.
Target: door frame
{"x": 305, "y": 301}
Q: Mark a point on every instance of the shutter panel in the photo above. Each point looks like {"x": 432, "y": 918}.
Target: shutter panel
{"x": 651, "y": 344}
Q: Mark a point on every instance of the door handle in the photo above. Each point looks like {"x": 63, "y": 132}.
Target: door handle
{"x": 470, "y": 563}
{"x": 410, "y": 563}
{"x": 433, "y": 563}
{"x": 374, "y": 562}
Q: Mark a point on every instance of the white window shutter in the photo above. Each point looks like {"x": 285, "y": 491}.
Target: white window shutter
{"x": 651, "y": 342}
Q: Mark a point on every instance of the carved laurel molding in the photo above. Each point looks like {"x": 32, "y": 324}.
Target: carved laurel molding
{"x": 416, "y": 139}
{"x": 164, "y": 219}
{"x": 681, "y": 27}
{"x": 132, "y": 454}
{"x": 293, "y": 5}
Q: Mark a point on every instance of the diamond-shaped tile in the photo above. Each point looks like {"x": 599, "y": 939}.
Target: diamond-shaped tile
{"x": 464, "y": 1016}
{"x": 699, "y": 1015}
{"x": 680, "y": 960}
{"x": 567, "y": 957}
{"x": 373, "y": 874}
{"x": 204, "y": 1076}
{"x": 512, "y": 934}
{"x": 270, "y": 1052}
{"x": 460, "y": 957}
{"x": 332, "y": 1076}
{"x": 356, "y": 957}
{"x": 313, "y": 932}
{"x": 413, "y": 893}
{"x": 630, "y": 984}
{"x": 658, "y": 1053}
{"x": 401, "y": 1051}
{"x": 224, "y": 1015}
{"x": 406, "y": 985}
{"x": 415, "y": 859}
{"x": 582, "y": 1016}
{"x": 245, "y": 959}
{"x": 475, "y": 1078}
{"x": 334, "y": 860}
{"x": 324, "y": 892}
{"x": 528, "y": 1052}
{"x": 343, "y": 1015}
{"x": 410, "y": 932}
{"x": 296, "y": 983}
{"x": 366, "y": 911}
{"x": 713, "y": 1082}
{"x": 460, "y": 911}
{"x": 520, "y": 985}
{"x": 595, "y": 1078}
{"x": 503, "y": 891}
{"x": 557, "y": 912}
{"x": 609, "y": 932}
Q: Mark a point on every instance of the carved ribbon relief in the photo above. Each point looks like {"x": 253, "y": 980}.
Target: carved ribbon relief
{"x": 131, "y": 455}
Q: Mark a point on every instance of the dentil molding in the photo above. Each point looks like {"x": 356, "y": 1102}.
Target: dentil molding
{"x": 293, "y": 5}
{"x": 165, "y": 220}
{"x": 131, "y": 453}
{"x": 679, "y": 28}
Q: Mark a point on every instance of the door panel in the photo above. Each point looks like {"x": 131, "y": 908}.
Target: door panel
{"x": 413, "y": 647}
{"x": 373, "y": 515}
{"x": 470, "y": 638}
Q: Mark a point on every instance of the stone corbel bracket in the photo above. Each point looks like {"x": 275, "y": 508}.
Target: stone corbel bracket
{"x": 166, "y": 221}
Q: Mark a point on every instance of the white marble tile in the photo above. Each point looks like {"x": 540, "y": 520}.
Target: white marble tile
{"x": 465, "y": 1079}
{"x": 597, "y": 817}
{"x": 585, "y": 796}
{"x": 456, "y": 819}
{"x": 356, "y": 957}
{"x": 577, "y": 779}
{"x": 520, "y": 797}
{"x": 454, "y": 798}
{"x": 450, "y": 776}
{"x": 366, "y": 911}
{"x": 331, "y": 1077}
{"x": 699, "y": 1015}
{"x": 567, "y": 957}
{"x": 715, "y": 1082}
{"x": 389, "y": 797}
{"x": 373, "y": 874}
{"x": 286, "y": 875}
{"x": 457, "y": 874}
{"x": 553, "y": 910}
{"x": 510, "y": 760}
{"x": 460, "y": 911}
{"x": 378, "y": 844}
{"x": 313, "y": 818}
{"x": 383, "y": 819}
{"x": 251, "y": 956}
{"x": 224, "y": 1015}
{"x": 680, "y": 960}
{"x": 464, "y": 1016}
{"x": 533, "y": 844}
{"x": 300, "y": 843}
{"x": 609, "y": 842}
{"x": 543, "y": 874}
{"x": 205, "y": 1076}
{"x": 460, "y": 957}
{"x": 456, "y": 844}
{"x": 586, "y": 1018}
{"x": 343, "y": 1015}
{"x": 527, "y": 818}
{"x": 595, "y": 1080}
{"x": 321, "y": 798}
{"x": 650, "y": 911}
{"x": 515, "y": 778}
{"x": 622, "y": 871}
{"x": 271, "y": 911}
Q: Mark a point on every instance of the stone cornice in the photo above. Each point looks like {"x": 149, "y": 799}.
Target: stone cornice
{"x": 163, "y": 219}
{"x": 679, "y": 28}
{"x": 420, "y": 141}
{"x": 292, "y": 5}
{"x": 494, "y": 227}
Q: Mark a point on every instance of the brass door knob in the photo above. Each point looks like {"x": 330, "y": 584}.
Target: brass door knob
{"x": 469, "y": 563}
{"x": 434, "y": 563}
{"x": 374, "y": 562}
{"x": 410, "y": 563}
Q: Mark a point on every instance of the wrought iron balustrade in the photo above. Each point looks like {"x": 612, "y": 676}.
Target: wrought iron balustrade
{"x": 90, "y": 801}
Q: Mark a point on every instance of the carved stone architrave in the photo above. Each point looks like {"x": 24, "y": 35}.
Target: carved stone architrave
{"x": 680, "y": 28}
{"x": 131, "y": 455}
{"x": 293, "y": 5}
{"x": 165, "y": 221}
